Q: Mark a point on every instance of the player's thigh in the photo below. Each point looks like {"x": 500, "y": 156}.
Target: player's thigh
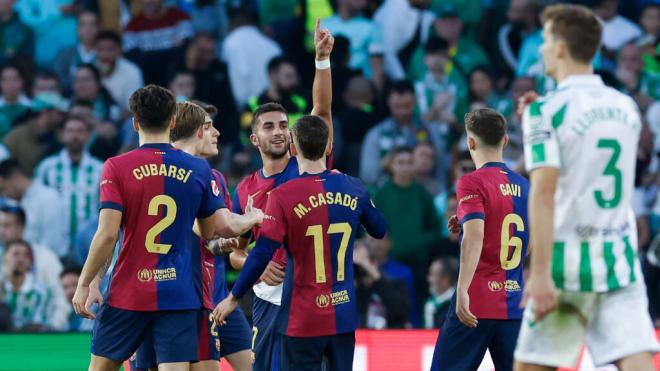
{"x": 460, "y": 347}
{"x": 503, "y": 343}
{"x": 555, "y": 340}
{"x": 235, "y": 336}
{"x": 98, "y": 363}
{"x": 240, "y": 361}
{"x": 118, "y": 333}
{"x": 176, "y": 336}
{"x": 265, "y": 335}
{"x": 621, "y": 325}
{"x": 145, "y": 357}
{"x": 340, "y": 351}
{"x": 636, "y": 362}
{"x": 302, "y": 354}
{"x": 208, "y": 343}
{"x": 207, "y": 365}
{"x": 174, "y": 366}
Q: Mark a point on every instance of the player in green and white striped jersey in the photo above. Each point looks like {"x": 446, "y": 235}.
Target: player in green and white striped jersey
{"x": 580, "y": 149}
{"x": 75, "y": 174}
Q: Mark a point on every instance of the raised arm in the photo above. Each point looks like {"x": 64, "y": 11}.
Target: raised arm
{"x": 322, "y": 87}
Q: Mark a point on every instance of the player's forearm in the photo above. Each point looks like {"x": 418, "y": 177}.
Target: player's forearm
{"x": 322, "y": 97}
{"x": 239, "y": 224}
{"x": 470, "y": 252}
{"x": 541, "y": 215}
{"x": 100, "y": 252}
{"x": 237, "y": 260}
{"x": 254, "y": 266}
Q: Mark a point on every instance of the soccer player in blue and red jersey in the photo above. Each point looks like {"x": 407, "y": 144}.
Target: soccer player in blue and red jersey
{"x": 485, "y": 311}
{"x": 154, "y": 193}
{"x": 270, "y": 134}
{"x": 316, "y": 218}
{"x": 195, "y": 134}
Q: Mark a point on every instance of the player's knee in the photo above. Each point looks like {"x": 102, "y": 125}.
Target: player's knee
{"x": 103, "y": 364}
{"x": 521, "y": 366}
{"x": 241, "y": 361}
{"x": 636, "y": 362}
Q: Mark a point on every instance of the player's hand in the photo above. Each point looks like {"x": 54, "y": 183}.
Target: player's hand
{"x": 323, "y": 41}
{"x": 452, "y": 225}
{"x": 95, "y": 296}
{"x": 79, "y": 302}
{"x": 542, "y": 293}
{"x": 224, "y": 309}
{"x": 463, "y": 309}
{"x": 273, "y": 275}
{"x": 525, "y": 100}
{"x": 256, "y": 213}
{"x": 226, "y": 245}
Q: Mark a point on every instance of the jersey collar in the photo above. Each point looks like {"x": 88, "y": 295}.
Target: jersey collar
{"x": 161, "y": 146}
{"x": 501, "y": 165}
{"x": 591, "y": 80}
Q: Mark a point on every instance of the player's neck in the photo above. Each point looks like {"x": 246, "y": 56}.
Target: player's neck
{"x": 274, "y": 166}
{"x": 481, "y": 158}
{"x": 154, "y": 138}
{"x": 17, "y": 281}
{"x": 566, "y": 70}
{"x": 311, "y": 167}
{"x": 187, "y": 147}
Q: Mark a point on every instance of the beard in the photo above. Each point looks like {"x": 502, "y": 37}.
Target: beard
{"x": 276, "y": 155}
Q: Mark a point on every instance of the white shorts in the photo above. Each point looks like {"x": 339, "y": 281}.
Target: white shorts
{"x": 614, "y": 325}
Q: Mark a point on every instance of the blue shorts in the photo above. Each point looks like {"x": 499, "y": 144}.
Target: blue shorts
{"x": 266, "y": 339}
{"x": 208, "y": 345}
{"x": 308, "y": 353}
{"x": 463, "y": 348}
{"x": 235, "y": 335}
{"x": 118, "y": 333}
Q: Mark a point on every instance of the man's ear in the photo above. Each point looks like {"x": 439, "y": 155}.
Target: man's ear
{"x": 136, "y": 126}
{"x": 293, "y": 149}
{"x": 506, "y": 140}
{"x": 254, "y": 140}
{"x": 173, "y": 122}
{"x": 200, "y": 132}
{"x": 472, "y": 143}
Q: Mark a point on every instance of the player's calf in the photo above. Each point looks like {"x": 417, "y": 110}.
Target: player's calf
{"x": 99, "y": 363}
{"x": 642, "y": 361}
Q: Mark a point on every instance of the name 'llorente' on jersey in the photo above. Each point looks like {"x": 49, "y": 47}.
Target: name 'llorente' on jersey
{"x": 160, "y": 191}
{"x": 590, "y": 133}
{"x": 497, "y": 195}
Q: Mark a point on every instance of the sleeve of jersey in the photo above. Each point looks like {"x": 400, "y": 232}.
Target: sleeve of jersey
{"x": 219, "y": 188}
{"x": 540, "y": 138}
{"x": 211, "y": 199}
{"x": 470, "y": 201}
{"x": 272, "y": 235}
{"x": 111, "y": 196}
{"x": 372, "y": 219}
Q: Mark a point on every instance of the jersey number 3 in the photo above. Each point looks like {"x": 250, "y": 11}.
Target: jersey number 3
{"x": 508, "y": 241}
{"x": 153, "y": 232}
{"x": 316, "y": 231}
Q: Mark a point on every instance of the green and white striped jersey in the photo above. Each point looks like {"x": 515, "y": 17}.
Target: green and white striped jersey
{"x": 590, "y": 133}
{"x": 78, "y": 184}
{"x": 31, "y": 304}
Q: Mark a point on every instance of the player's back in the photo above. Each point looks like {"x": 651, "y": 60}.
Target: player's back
{"x": 322, "y": 214}
{"x": 160, "y": 190}
{"x": 497, "y": 195}
{"x": 590, "y": 132}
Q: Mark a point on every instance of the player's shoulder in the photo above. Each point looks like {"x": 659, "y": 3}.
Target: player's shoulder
{"x": 473, "y": 179}
{"x": 248, "y": 183}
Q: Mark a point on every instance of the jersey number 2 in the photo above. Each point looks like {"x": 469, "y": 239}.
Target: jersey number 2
{"x": 316, "y": 231}
{"x": 158, "y": 228}
{"x": 612, "y": 171}
{"x": 508, "y": 240}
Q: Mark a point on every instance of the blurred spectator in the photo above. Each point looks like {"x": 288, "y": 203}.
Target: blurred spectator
{"x": 436, "y": 93}
{"x": 442, "y": 278}
{"x": 13, "y": 102}
{"x": 29, "y": 299}
{"x": 69, "y": 281}
{"x": 402, "y": 129}
{"x": 282, "y": 85}
{"x": 382, "y": 300}
{"x": 354, "y": 120}
{"x": 522, "y": 21}
{"x": 120, "y": 76}
{"x": 379, "y": 251}
{"x": 182, "y": 86}
{"x": 405, "y": 26}
{"x": 513, "y": 151}
{"x": 413, "y": 223}
{"x": 68, "y": 59}
{"x": 448, "y": 245}
{"x": 42, "y": 205}
{"x": 482, "y": 89}
{"x": 210, "y": 16}
{"x": 423, "y": 166}
{"x": 247, "y": 53}
{"x": 365, "y": 36}
{"x": 75, "y": 174}
{"x": 157, "y": 34}
{"x": 6, "y": 324}
{"x": 649, "y": 20}
{"x": 46, "y": 81}
{"x": 17, "y": 38}
{"x": 617, "y": 30}
{"x": 46, "y": 265}
{"x": 212, "y": 83}
{"x": 54, "y": 25}
{"x": 32, "y": 141}
{"x": 105, "y": 140}
{"x": 643, "y": 87}
{"x": 87, "y": 85}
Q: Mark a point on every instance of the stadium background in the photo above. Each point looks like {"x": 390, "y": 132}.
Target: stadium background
{"x": 404, "y": 73}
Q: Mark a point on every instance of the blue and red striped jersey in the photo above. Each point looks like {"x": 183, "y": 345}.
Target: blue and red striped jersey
{"x": 497, "y": 195}
{"x": 316, "y": 218}
{"x": 160, "y": 191}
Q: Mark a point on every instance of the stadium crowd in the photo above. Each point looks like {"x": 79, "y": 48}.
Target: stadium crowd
{"x": 405, "y": 72}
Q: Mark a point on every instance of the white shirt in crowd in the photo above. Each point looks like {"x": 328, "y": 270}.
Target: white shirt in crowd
{"x": 618, "y": 31}
{"x": 44, "y": 223}
{"x": 124, "y": 80}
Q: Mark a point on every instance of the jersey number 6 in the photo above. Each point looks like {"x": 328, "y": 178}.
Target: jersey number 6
{"x": 508, "y": 240}
{"x": 158, "y": 228}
